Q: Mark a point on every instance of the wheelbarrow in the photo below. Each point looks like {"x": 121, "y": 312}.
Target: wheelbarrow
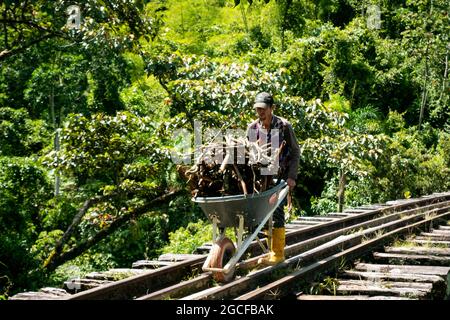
{"x": 247, "y": 215}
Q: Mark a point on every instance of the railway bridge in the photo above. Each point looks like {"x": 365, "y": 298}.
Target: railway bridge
{"x": 399, "y": 250}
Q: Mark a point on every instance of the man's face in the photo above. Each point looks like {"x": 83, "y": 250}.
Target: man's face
{"x": 264, "y": 113}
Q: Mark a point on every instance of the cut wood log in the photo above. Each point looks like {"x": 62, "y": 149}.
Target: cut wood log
{"x": 445, "y": 233}
{"x": 229, "y": 167}
{"x": 354, "y": 211}
{"x": 336, "y": 215}
{"x": 392, "y": 268}
{"x": 339, "y": 214}
{"x": 424, "y": 286}
{"x": 116, "y": 274}
{"x": 431, "y": 243}
{"x": 47, "y": 293}
{"x": 177, "y": 257}
{"x": 304, "y": 222}
{"x": 435, "y": 236}
{"x": 319, "y": 219}
{"x": 400, "y": 289}
{"x": 439, "y": 285}
{"x": 412, "y": 258}
{"x": 96, "y": 276}
{"x": 430, "y": 238}
{"x": 143, "y": 264}
{"x": 398, "y": 277}
{"x": 419, "y": 250}
{"x": 240, "y": 179}
{"x": 77, "y": 285}
{"x": 294, "y": 226}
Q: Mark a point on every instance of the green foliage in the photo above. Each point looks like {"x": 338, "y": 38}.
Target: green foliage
{"x": 115, "y": 149}
{"x": 63, "y": 79}
{"x": 44, "y": 244}
{"x": 191, "y": 23}
{"x": 187, "y": 239}
{"x": 406, "y": 167}
{"x": 142, "y": 238}
{"x": 198, "y": 84}
{"x": 59, "y": 84}
{"x": 19, "y": 135}
{"x": 122, "y": 158}
{"x": 80, "y": 266}
{"x": 24, "y": 190}
{"x": 327, "y": 201}
{"x": 117, "y": 23}
{"x": 370, "y": 104}
{"x": 443, "y": 147}
{"x": 327, "y": 286}
{"x": 367, "y": 119}
{"x": 13, "y": 132}
{"x": 334, "y": 144}
{"x": 58, "y": 212}
{"x": 146, "y": 97}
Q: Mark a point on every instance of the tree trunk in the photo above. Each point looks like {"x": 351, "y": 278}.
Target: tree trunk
{"x": 285, "y": 9}
{"x": 5, "y": 29}
{"x": 55, "y": 128}
{"x": 425, "y": 84}
{"x": 341, "y": 192}
{"x": 244, "y": 17}
{"x": 71, "y": 229}
{"x": 444, "y": 79}
{"x": 57, "y": 176}
{"x": 56, "y": 260}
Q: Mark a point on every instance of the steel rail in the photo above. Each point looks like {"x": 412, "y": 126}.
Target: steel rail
{"x": 282, "y": 286}
{"x": 157, "y": 284}
{"x": 333, "y": 247}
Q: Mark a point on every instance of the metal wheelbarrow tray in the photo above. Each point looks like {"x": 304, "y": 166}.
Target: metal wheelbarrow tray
{"x": 244, "y": 213}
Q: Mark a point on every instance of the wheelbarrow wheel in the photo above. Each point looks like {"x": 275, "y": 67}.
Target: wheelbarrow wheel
{"x": 221, "y": 252}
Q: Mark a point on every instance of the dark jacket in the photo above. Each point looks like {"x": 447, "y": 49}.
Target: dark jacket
{"x": 290, "y": 156}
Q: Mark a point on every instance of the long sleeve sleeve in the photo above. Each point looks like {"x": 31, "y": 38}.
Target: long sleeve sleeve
{"x": 294, "y": 151}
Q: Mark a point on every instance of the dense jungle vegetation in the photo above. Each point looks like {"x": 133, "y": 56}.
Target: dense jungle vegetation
{"x": 88, "y": 115}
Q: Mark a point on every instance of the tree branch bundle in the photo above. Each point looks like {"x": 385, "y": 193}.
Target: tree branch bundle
{"x": 232, "y": 167}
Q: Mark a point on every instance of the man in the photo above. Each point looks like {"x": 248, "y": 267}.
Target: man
{"x": 262, "y": 128}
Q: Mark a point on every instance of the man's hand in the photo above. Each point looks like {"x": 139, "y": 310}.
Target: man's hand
{"x": 291, "y": 183}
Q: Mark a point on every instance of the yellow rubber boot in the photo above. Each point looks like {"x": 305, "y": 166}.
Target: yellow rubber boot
{"x": 277, "y": 254}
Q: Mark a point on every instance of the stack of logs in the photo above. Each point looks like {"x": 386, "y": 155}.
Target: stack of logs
{"x": 235, "y": 166}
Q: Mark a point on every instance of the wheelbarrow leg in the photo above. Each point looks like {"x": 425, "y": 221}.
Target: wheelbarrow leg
{"x": 214, "y": 228}
{"x": 268, "y": 233}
